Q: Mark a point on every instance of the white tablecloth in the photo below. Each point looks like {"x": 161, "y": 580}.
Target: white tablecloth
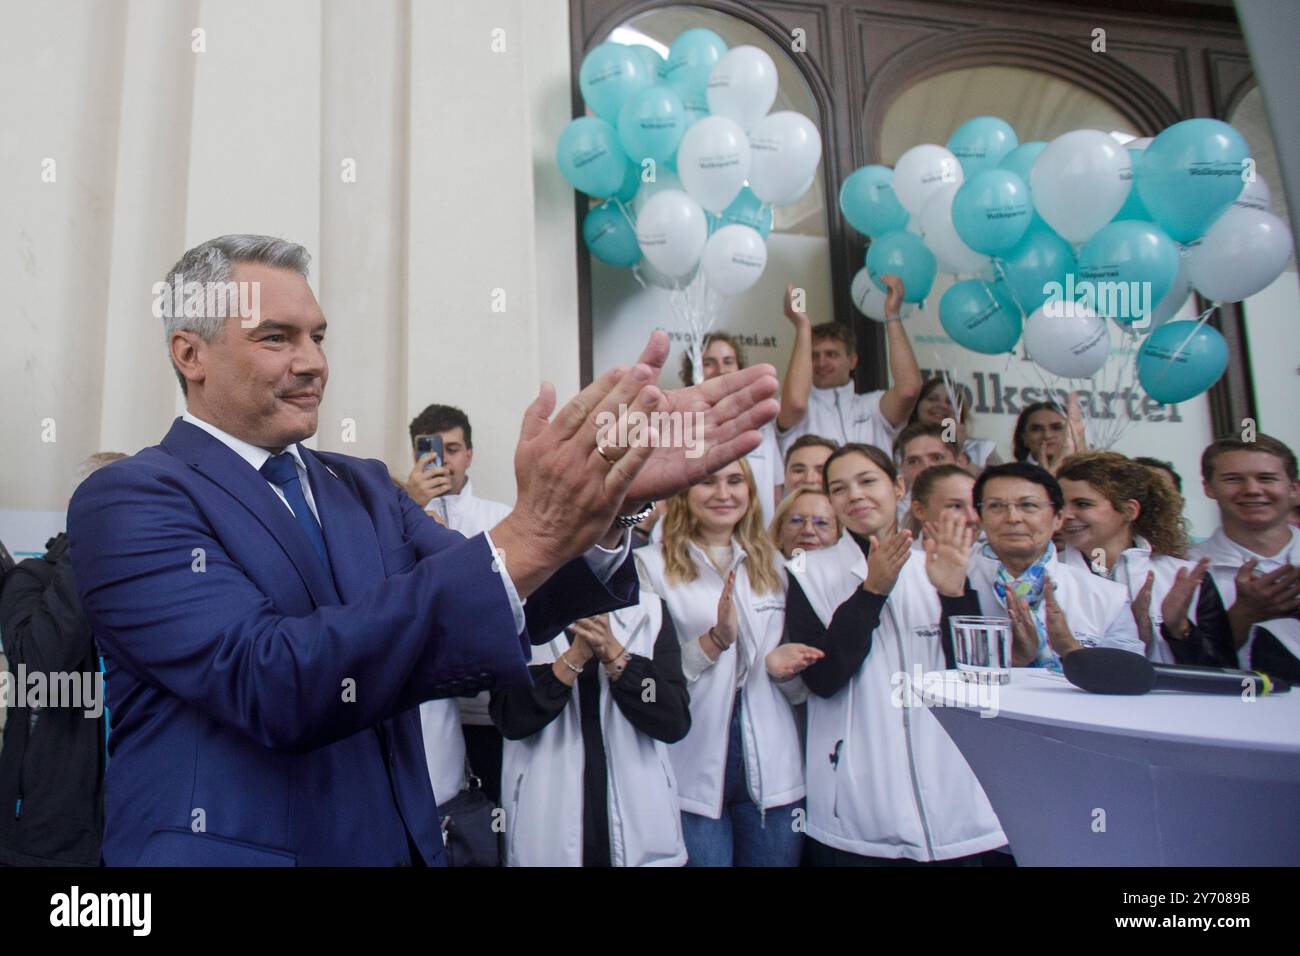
{"x": 1160, "y": 779}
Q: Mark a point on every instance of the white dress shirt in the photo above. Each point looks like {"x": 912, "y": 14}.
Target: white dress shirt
{"x": 257, "y": 457}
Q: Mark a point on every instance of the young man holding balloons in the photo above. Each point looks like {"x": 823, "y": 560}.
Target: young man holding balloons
{"x": 835, "y": 409}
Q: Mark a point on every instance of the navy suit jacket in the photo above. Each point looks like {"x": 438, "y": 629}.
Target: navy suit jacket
{"x": 263, "y": 713}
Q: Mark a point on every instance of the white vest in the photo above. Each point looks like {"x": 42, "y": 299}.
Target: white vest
{"x": 774, "y": 773}
{"x": 440, "y": 720}
{"x": 1226, "y": 558}
{"x": 542, "y": 776}
{"x": 843, "y": 415}
{"x": 1097, "y": 610}
{"x": 1131, "y": 571}
{"x": 900, "y": 788}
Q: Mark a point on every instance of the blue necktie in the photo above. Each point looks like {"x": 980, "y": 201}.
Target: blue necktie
{"x": 282, "y": 470}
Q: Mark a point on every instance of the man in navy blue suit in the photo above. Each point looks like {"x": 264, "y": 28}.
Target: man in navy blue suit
{"x": 272, "y": 616}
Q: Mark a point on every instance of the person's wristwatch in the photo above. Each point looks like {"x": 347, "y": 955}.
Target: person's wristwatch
{"x": 636, "y": 517}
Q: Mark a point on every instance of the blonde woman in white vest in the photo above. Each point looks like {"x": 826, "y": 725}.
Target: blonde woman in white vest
{"x": 739, "y": 773}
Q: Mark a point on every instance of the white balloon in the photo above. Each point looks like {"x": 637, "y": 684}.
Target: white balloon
{"x": 665, "y": 178}
{"x": 941, "y": 237}
{"x": 787, "y": 149}
{"x": 1067, "y": 339}
{"x": 1240, "y": 255}
{"x": 1175, "y": 298}
{"x": 734, "y": 258}
{"x": 921, "y": 172}
{"x": 797, "y": 194}
{"x": 742, "y": 85}
{"x": 870, "y": 298}
{"x": 713, "y": 160}
{"x": 1255, "y": 195}
{"x": 653, "y": 277}
{"x": 671, "y": 231}
{"x": 1079, "y": 181}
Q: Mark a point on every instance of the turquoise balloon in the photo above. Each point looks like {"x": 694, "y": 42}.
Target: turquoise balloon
{"x": 991, "y": 211}
{"x": 1190, "y": 174}
{"x": 691, "y": 59}
{"x": 1133, "y": 207}
{"x": 868, "y": 202}
{"x": 1039, "y": 261}
{"x": 1021, "y": 159}
{"x": 590, "y": 157}
{"x": 1131, "y": 265}
{"x": 609, "y": 74}
{"x": 1172, "y": 367}
{"x": 980, "y": 317}
{"x": 651, "y": 58}
{"x": 631, "y": 182}
{"x": 748, "y": 210}
{"x": 981, "y": 143}
{"x": 651, "y": 124}
{"x": 905, "y": 255}
{"x": 610, "y": 237}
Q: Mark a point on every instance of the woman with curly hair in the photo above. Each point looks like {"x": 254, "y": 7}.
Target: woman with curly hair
{"x": 1124, "y": 522}
{"x": 739, "y": 771}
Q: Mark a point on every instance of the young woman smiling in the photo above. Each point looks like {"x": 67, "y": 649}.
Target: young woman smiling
{"x": 1124, "y": 522}
{"x": 886, "y": 785}
{"x": 739, "y": 772}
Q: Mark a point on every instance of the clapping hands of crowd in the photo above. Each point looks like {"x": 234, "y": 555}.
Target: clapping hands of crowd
{"x": 1175, "y": 606}
{"x": 886, "y": 561}
{"x": 724, "y": 633}
{"x": 947, "y": 553}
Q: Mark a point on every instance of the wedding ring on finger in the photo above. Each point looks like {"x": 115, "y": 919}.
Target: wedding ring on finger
{"x": 600, "y": 450}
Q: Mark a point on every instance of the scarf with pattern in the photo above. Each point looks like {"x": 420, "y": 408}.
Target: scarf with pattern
{"x": 1029, "y": 586}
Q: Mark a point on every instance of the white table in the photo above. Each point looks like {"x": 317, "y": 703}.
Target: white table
{"x": 1162, "y": 779}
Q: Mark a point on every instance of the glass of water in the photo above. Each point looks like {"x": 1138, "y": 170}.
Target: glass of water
{"x": 983, "y": 648}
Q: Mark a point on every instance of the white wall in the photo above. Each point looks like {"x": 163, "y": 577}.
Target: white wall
{"x": 159, "y": 147}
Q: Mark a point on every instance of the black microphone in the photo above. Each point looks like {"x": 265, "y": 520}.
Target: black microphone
{"x": 1109, "y": 670}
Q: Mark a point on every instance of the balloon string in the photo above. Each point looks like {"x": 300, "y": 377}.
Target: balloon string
{"x": 623, "y": 209}
{"x": 1200, "y": 320}
{"x": 636, "y": 274}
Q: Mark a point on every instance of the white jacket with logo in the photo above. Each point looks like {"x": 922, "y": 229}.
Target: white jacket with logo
{"x": 542, "y": 776}
{"x": 845, "y": 415}
{"x": 1130, "y": 571}
{"x": 1226, "y": 558}
{"x": 774, "y": 771}
{"x": 884, "y": 777}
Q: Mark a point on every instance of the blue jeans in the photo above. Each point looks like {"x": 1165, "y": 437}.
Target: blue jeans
{"x": 741, "y": 836}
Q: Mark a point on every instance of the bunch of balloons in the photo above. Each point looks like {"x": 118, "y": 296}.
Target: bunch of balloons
{"x": 1055, "y": 238}
{"x": 687, "y": 159}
